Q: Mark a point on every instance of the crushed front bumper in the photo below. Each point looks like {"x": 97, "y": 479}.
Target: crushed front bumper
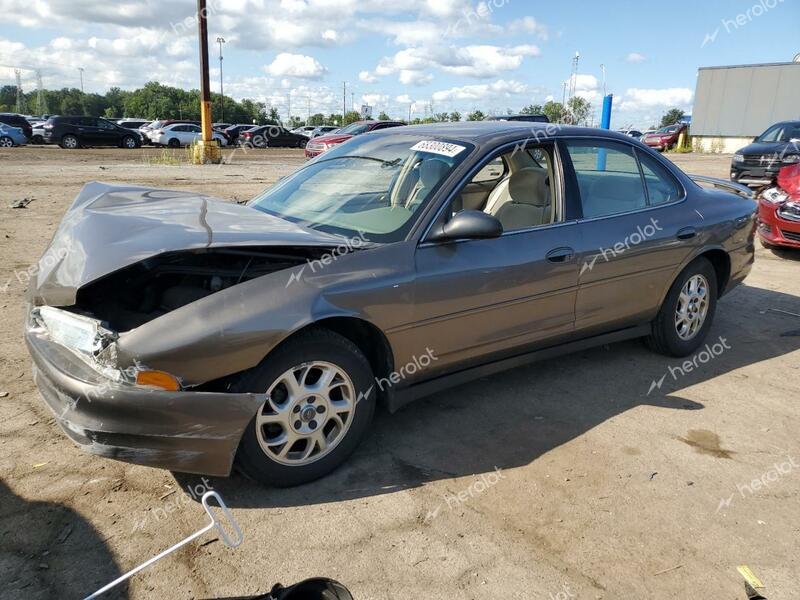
{"x": 186, "y": 431}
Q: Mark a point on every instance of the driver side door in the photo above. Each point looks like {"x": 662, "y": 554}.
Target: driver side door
{"x": 487, "y": 298}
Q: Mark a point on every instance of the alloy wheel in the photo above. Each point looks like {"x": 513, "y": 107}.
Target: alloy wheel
{"x": 6, "y": 142}
{"x": 692, "y": 308}
{"x": 308, "y": 411}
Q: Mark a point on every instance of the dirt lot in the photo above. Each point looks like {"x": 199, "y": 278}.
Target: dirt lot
{"x": 561, "y": 480}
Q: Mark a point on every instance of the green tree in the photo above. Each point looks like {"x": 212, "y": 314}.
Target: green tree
{"x": 316, "y": 119}
{"x": 672, "y": 116}
{"x": 532, "y": 109}
{"x": 455, "y": 116}
{"x": 578, "y": 110}
{"x": 553, "y": 111}
{"x": 441, "y": 117}
{"x": 383, "y": 116}
{"x": 351, "y": 117}
{"x": 476, "y": 115}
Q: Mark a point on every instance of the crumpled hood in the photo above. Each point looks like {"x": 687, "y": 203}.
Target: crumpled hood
{"x": 109, "y": 227}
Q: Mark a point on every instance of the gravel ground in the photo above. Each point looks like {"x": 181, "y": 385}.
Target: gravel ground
{"x": 560, "y": 480}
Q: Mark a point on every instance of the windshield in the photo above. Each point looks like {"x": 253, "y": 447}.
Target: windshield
{"x": 783, "y": 132}
{"x": 354, "y": 129}
{"x": 670, "y": 129}
{"x": 371, "y": 187}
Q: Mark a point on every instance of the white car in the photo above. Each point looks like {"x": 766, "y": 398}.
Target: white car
{"x": 304, "y": 130}
{"x": 181, "y": 134}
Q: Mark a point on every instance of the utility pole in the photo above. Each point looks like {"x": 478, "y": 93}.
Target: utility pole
{"x": 289, "y": 109}
{"x": 353, "y": 101}
{"x": 20, "y": 95}
{"x": 81, "y": 70}
{"x": 220, "y": 41}
{"x": 41, "y": 99}
{"x": 207, "y": 150}
{"x": 344, "y": 101}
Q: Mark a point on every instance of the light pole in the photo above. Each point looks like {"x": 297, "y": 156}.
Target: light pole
{"x": 220, "y": 41}
{"x": 81, "y": 70}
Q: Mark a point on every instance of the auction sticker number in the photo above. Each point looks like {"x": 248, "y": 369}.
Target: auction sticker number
{"x": 441, "y": 148}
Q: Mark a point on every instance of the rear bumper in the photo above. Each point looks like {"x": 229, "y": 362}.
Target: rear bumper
{"x": 192, "y": 432}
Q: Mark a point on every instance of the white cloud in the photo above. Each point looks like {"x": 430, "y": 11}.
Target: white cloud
{"x": 529, "y": 25}
{"x": 485, "y": 91}
{"x": 636, "y": 99}
{"x": 295, "y": 65}
{"x": 367, "y": 77}
{"x": 635, "y": 57}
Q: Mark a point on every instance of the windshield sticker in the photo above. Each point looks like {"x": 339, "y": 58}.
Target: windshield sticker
{"x": 442, "y": 148}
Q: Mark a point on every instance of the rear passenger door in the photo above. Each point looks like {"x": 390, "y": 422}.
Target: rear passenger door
{"x": 630, "y": 230}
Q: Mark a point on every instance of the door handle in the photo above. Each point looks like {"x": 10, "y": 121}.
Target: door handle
{"x": 559, "y": 255}
{"x": 686, "y": 233}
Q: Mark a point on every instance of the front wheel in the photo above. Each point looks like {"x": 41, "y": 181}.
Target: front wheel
{"x": 6, "y": 142}
{"x": 129, "y": 142}
{"x": 320, "y": 403}
{"x": 685, "y": 317}
{"x": 69, "y": 142}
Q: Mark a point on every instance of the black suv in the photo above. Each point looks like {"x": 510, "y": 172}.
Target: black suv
{"x": 757, "y": 165}
{"x": 15, "y": 120}
{"x": 74, "y": 132}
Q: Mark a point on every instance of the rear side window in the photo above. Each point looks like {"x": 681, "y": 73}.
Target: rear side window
{"x": 608, "y": 177}
{"x": 661, "y": 185}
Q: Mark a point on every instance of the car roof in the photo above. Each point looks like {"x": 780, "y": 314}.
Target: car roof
{"x": 483, "y": 132}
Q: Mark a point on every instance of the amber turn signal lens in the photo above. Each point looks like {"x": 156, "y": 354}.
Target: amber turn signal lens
{"x": 158, "y": 379}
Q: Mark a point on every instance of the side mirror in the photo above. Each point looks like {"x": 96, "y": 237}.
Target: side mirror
{"x": 467, "y": 225}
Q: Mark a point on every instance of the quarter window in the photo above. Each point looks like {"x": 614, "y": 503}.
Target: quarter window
{"x": 608, "y": 177}
{"x": 661, "y": 186}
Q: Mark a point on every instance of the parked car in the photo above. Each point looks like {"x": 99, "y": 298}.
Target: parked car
{"x": 757, "y": 165}
{"x": 11, "y": 136}
{"x": 408, "y": 260}
{"x": 634, "y": 133}
{"x": 234, "y": 131}
{"x": 779, "y": 210}
{"x": 181, "y": 134}
{"x": 527, "y": 118}
{"x": 324, "y": 143}
{"x": 79, "y": 132}
{"x": 323, "y": 130}
{"x": 305, "y": 130}
{"x": 132, "y": 123}
{"x": 17, "y": 120}
{"x": 666, "y": 137}
{"x": 37, "y": 134}
{"x": 271, "y": 136}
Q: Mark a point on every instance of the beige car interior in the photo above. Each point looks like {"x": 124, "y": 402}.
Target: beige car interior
{"x": 521, "y": 196}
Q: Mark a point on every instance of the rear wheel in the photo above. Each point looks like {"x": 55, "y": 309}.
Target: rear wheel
{"x": 320, "y": 403}
{"x": 688, "y": 311}
{"x": 302, "y": 143}
{"x": 174, "y": 143}
{"x": 70, "y": 142}
{"x": 129, "y": 142}
{"x": 37, "y": 140}
{"x": 6, "y": 142}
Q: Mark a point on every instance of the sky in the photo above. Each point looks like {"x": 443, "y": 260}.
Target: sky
{"x": 429, "y": 56}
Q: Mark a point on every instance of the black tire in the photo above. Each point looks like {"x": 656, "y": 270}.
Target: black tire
{"x": 70, "y": 142}
{"x": 174, "y": 143}
{"x": 312, "y": 345}
{"x": 129, "y": 142}
{"x": 664, "y": 338}
{"x": 37, "y": 140}
{"x": 6, "y": 142}
{"x": 302, "y": 144}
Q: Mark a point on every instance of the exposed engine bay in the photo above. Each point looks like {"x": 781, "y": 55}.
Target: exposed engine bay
{"x": 146, "y": 290}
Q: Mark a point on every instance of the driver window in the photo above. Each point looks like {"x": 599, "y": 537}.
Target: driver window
{"x": 520, "y": 194}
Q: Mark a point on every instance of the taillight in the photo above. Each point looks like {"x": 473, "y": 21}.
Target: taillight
{"x": 247, "y": 135}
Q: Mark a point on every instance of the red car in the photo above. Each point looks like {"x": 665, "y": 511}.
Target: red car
{"x": 779, "y": 210}
{"x": 323, "y": 143}
{"x": 666, "y": 137}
